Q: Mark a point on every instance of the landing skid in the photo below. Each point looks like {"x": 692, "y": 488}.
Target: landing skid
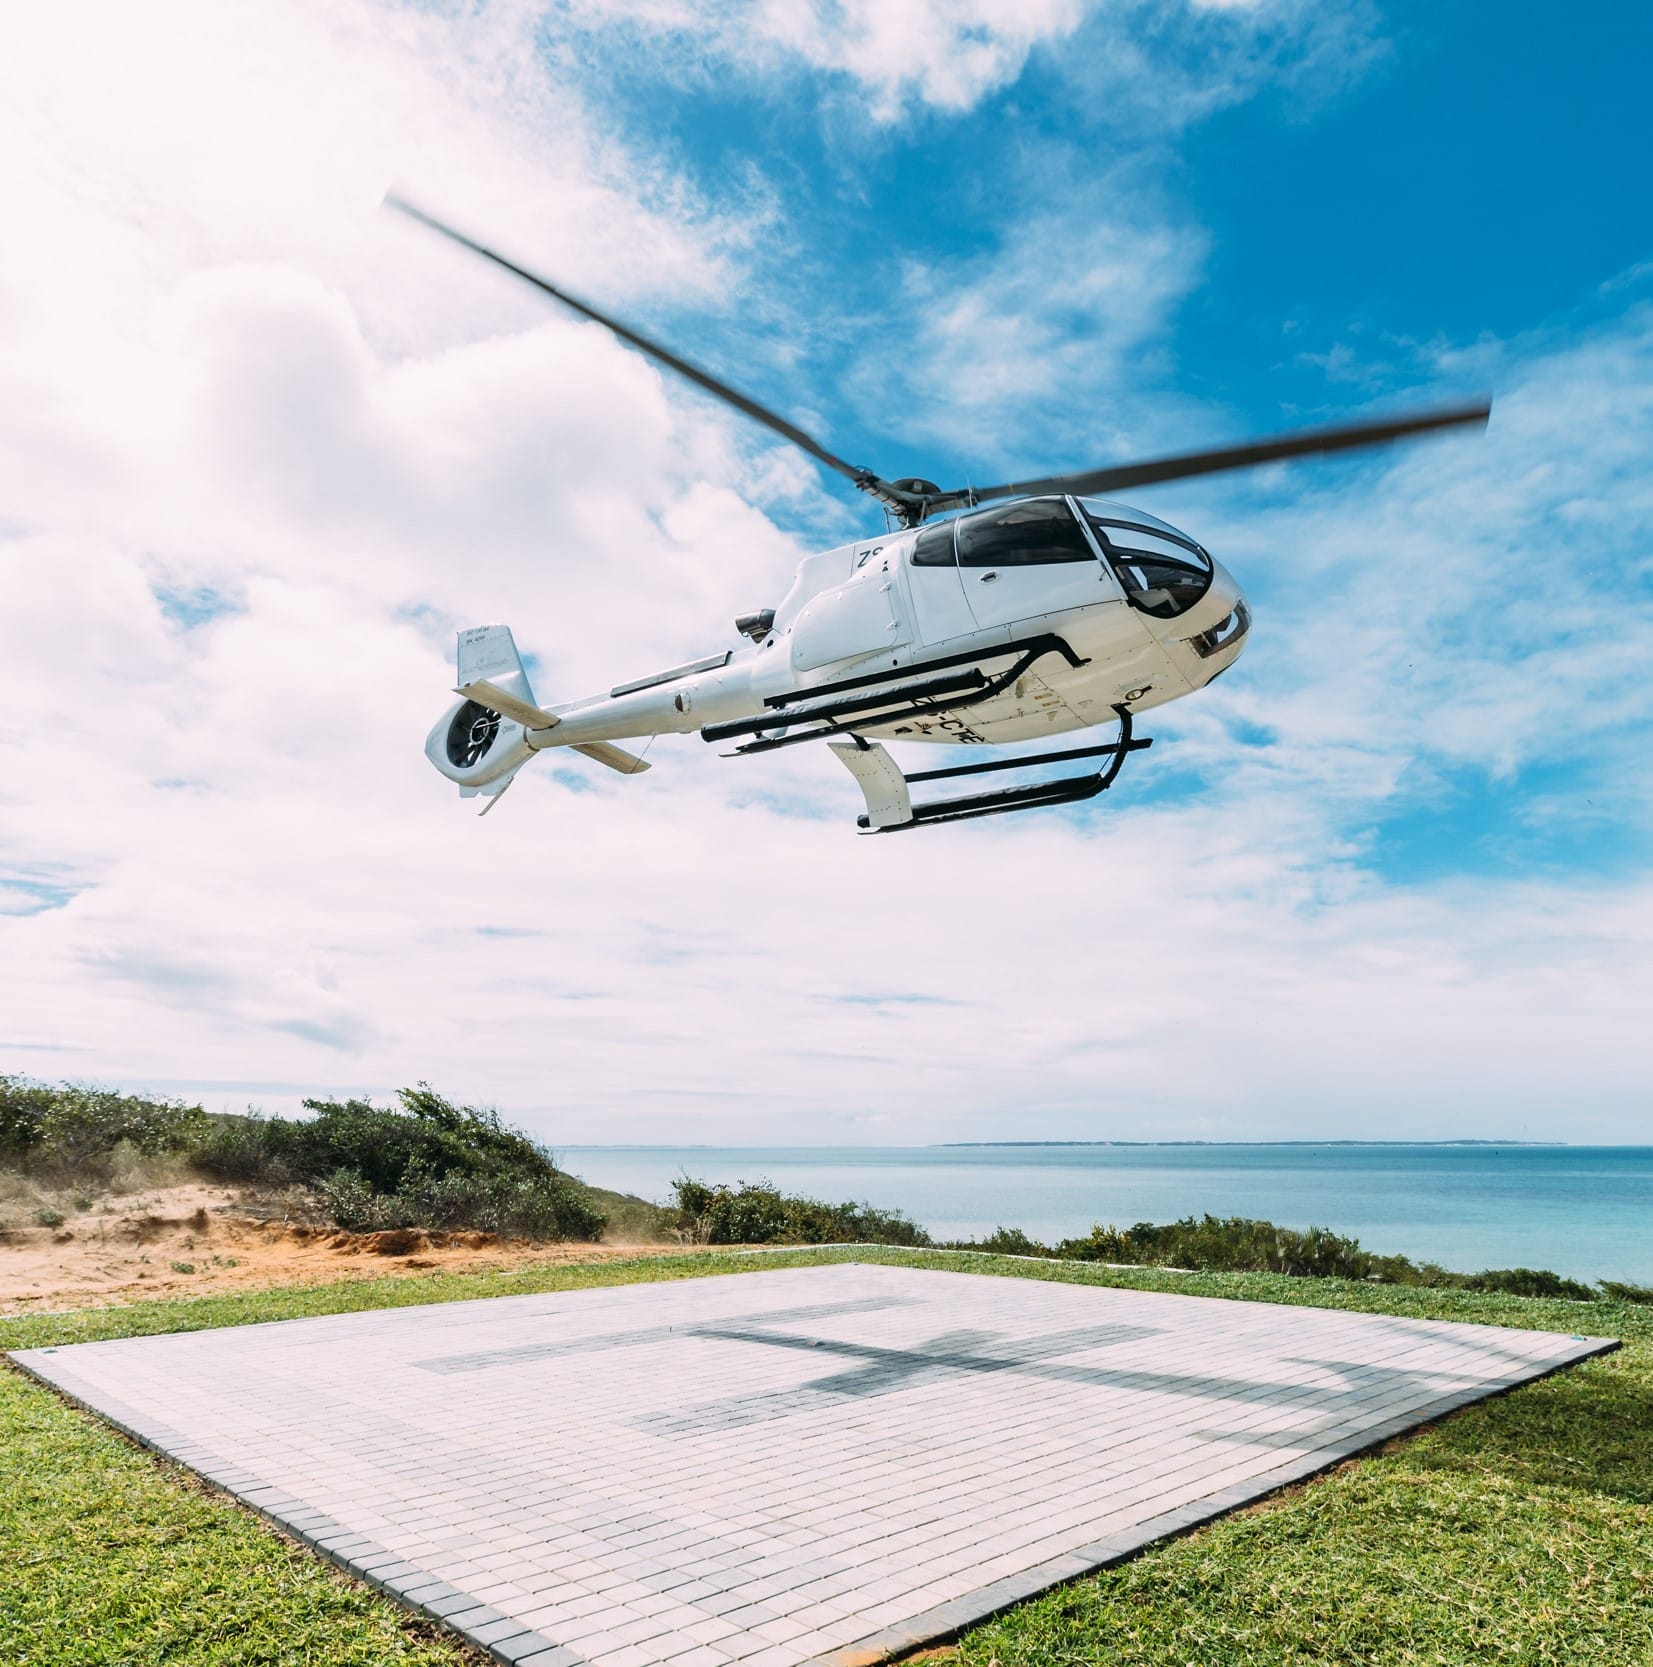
{"x": 889, "y": 802}
{"x": 953, "y": 684}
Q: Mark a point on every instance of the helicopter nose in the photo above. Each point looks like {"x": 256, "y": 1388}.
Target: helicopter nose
{"x": 1224, "y": 617}
{"x": 1225, "y": 589}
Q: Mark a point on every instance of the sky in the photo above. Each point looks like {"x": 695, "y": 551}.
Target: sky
{"x": 264, "y": 449}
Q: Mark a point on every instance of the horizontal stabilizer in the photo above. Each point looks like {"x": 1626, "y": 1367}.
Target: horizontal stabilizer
{"x": 507, "y": 704}
{"x": 616, "y": 758}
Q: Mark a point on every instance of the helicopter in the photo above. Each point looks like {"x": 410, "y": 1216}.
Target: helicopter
{"x": 981, "y": 616}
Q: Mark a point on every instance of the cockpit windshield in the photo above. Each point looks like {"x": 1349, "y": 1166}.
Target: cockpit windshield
{"x": 1163, "y": 573}
{"x": 1031, "y": 532}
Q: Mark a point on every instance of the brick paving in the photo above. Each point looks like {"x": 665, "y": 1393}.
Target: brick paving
{"x": 772, "y": 1468}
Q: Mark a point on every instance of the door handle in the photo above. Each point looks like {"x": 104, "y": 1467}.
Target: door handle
{"x": 987, "y": 578}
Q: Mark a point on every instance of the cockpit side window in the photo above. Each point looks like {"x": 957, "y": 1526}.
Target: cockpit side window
{"x": 1031, "y": 533}
{"x": 934, "y": 546}
{"x": 1161, "y": 574}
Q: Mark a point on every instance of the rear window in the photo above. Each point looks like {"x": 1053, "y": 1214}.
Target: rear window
{"x": 934, "y": 547}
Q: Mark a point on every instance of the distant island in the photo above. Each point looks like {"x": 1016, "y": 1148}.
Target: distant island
{"x": 935, "y": 1145}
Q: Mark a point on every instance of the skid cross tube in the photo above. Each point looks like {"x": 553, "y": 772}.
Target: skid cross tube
{"x": 1064, "y": 790}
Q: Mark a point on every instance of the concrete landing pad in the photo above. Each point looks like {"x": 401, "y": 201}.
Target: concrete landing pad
{"x": 773, "y": 1467}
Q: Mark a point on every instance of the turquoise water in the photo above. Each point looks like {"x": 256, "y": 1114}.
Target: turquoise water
{"x": 1585, "y": 1211}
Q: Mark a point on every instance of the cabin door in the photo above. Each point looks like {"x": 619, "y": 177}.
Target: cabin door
{"x": 1031, "y": 557}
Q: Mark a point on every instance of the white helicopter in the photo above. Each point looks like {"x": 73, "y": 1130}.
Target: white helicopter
{"x": 1058, "y": 610}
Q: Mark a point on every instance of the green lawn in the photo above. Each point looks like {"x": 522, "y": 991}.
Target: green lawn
{"x": 1518, "y": 1531}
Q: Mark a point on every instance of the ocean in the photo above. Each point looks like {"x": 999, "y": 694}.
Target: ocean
{"x": 1583, "y": 1211}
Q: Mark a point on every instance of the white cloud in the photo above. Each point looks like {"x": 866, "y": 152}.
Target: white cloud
{"x": 263, "y": 449}
{"x": 943, "y": 54}
{"x": 1157, "y": 63}
{"x": 1045, "y": 351}
{"x": 949, "y": 55}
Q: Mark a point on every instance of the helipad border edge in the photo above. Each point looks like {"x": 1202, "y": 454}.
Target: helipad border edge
{"x": 514, "y": 1645}
{"x": 948, "y": 1620}
{"x": 415, "y": 1589}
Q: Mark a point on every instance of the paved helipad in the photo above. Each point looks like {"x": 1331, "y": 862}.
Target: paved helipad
{"x": 773, "y": 1467}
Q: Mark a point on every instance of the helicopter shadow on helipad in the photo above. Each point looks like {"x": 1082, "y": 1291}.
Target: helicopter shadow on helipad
{"x": 772, "y": 1468}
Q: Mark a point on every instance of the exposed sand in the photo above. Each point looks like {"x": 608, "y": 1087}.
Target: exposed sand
{"x": 193, "y": 1240}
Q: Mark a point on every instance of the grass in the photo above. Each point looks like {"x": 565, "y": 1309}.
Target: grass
{"x": 1518, "y": 1531}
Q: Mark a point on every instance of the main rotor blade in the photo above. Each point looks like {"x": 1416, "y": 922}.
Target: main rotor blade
{"x": 1308, "y": 443}
{"x": 864, "y": 478}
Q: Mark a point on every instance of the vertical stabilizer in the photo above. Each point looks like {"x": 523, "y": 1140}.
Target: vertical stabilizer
{"x": 488, "y": 654}
{"x": 480, "y": 743}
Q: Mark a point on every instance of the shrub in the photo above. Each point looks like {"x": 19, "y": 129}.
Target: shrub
{"x": 536, "y": 1207}
{"x": 867, "y": 1224}
{"x": 1006, "y": 1241}
{"x": 1230, "y": 1244}
{"x": 1526, "y": 1282}
{"x": 1616, "y": 1290}
{"x": 1238, "y": 1244}
{"x": 429, "y": 1163}
{"x": 427, "y": 1136}
{"x": 23, "y": 1106}
{"x": 249, "y": 1149}
{"x": 759, "y": 1213}
{"x": 76, "y": 1130}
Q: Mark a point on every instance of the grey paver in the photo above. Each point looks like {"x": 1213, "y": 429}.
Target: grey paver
{"x": 775, "y": 1467}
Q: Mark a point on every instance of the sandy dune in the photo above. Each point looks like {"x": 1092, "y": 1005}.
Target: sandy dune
{"x": 194, "y": 1240}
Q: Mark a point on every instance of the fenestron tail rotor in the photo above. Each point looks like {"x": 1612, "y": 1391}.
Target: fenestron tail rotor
{"x": 912, "y": 501}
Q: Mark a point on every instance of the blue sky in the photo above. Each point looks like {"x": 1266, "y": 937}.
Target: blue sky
{"x": 1406, "y": 199}
{"x": 264, "y": 449}
{"x": 1459, "y": 173}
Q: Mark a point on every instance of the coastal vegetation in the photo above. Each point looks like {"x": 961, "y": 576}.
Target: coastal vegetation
{"x": 758, "y": 1213}
{"x": 1238, "y": 1244}
{"x": 75, "y": 1133}
{"x": 430, "y": 1163}
{"x": 1518, "y": 1530}
{"x": 424, "y": 1163}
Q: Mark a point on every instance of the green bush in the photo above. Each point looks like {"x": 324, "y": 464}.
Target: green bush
{"x": 1230, "y": 1243}
{"x": 536, "y": 1207}
{"x": 1012, "y": 1241}
{"x": 1239, "y": 1244}
{"x": 429, "y": 1163}
{"x": 1616, "y": 1290}
{"x": 428, "y": 1136}
{"x": 247, "y": 1149}
{"x": 23, "y": 1107}
{"x": 75, "y": 1130}
{"x": 759, "y": 1213}
{"x": 1526, "y": 1282}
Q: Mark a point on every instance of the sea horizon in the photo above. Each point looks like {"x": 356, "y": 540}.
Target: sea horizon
{"x": 1468, "y": 1204}
{"x": 951, "y": 1145}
